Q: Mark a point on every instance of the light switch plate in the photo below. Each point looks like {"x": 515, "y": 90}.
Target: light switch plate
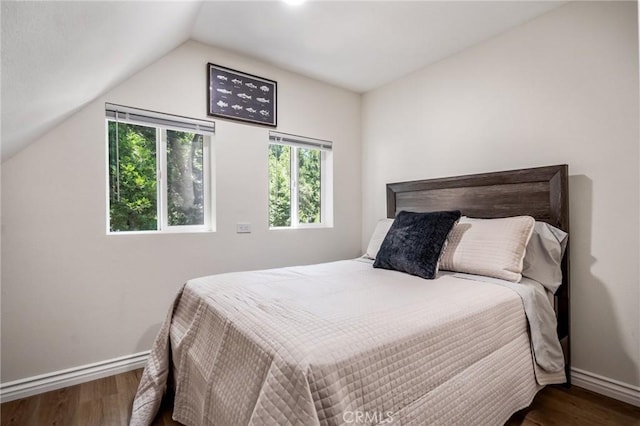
{"x": 243, "y": 228}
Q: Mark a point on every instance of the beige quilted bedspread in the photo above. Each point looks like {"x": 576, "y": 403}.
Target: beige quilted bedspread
{"x": 341, "y": 343}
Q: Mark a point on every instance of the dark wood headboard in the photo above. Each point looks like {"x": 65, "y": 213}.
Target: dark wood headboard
{"x": 541, "y": 192}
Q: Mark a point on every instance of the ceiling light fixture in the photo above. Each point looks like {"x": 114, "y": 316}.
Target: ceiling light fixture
{"x": 294, "y": 2}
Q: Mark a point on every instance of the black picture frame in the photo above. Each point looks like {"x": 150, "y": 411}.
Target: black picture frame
{"x": 239, "y": 96}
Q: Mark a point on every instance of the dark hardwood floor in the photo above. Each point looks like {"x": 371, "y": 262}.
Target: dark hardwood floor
{"x": 108, "y": 402}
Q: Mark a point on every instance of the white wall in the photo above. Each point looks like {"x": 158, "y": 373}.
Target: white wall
{"x": 560, "y": 89}
{"x": 72, "y": 295}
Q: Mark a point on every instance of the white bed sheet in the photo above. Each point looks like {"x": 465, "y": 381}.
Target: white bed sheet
{"x": 540, "y": 316}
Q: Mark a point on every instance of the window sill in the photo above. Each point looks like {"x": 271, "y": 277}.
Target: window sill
{"x": 295, "y": 228}
{"x": 166, "y": 232}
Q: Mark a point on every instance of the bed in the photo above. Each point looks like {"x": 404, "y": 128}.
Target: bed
{"x": 346, "y": 343}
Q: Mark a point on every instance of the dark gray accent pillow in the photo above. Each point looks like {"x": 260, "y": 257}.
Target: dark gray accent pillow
{"x": 415, "y": 241}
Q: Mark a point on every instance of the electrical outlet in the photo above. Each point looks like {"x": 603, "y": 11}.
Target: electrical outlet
{"x": 243, "y": 228}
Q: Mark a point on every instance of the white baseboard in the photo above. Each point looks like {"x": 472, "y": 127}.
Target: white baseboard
{"x": 86, "y": 373}
{"x": 72, "y": 376}
{"x": 606, "y": 386}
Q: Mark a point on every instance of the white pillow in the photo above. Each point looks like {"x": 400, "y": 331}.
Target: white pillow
{"x": 489, "y": 247}
{"x": 544, "y": 255}
{"x": 382, "y": 227}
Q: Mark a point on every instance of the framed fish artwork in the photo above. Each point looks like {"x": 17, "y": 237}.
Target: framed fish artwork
{"x": 240, "y": 96}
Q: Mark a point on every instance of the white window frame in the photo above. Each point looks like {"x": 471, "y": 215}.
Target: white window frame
{"x": 163, "y": 123}
{"x": 326, "y": 178}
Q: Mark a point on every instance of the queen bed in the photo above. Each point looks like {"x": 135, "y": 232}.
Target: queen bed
{"x": 347, "y": 343}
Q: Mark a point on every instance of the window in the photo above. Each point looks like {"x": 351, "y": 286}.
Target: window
{"x": 300, "y": 186}
{"x": 159, "y": 171}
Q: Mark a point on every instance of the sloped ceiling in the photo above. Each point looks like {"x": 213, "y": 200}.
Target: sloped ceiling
{"x": 57, "y": 56}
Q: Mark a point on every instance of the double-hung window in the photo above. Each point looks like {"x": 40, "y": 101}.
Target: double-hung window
{"x": 300, "y": 181}
{"x": 159, "y": 171}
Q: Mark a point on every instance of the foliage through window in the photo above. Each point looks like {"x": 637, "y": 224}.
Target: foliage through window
{"x": 158, "y": 172}
{"x": 298, "y": 181}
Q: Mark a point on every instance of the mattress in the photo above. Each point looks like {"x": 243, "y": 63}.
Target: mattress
{"x": 342, "y": 343}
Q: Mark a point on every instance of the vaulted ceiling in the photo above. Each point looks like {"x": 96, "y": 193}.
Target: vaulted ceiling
{"x": 57, "y": 56}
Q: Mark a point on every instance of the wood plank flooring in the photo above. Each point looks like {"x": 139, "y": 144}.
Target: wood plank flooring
{"x": 108, "y": 402}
